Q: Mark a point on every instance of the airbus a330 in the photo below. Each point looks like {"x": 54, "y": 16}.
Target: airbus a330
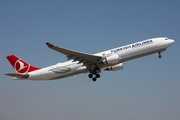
{"x": 79, "y": 62}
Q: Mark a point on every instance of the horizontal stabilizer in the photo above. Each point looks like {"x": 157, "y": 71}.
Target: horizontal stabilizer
{"x": 17, "y": 75}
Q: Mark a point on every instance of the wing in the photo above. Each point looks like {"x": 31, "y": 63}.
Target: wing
{"x": 84, "y": 58}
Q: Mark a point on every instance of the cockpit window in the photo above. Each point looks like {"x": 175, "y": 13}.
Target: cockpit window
{"x": 166, "y": 38}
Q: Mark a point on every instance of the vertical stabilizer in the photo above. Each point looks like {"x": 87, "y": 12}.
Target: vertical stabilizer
{"x": 20, "y": 65}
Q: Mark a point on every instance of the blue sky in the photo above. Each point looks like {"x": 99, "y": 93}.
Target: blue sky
{"x": 148, "y": 88}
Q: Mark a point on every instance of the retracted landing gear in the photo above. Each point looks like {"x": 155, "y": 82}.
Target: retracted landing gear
{"x": 160, "y": 56}
{"x": 94, "y": 74}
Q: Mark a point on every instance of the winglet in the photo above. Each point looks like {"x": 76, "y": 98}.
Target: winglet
{"x": 49, "y": 45}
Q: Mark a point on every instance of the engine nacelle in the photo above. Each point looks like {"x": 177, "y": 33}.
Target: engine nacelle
{"x": 115, "y": 67}
{"x": 113, "y": 59}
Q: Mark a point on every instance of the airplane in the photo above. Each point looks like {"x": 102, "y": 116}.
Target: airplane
{"x": 79, "y": 62}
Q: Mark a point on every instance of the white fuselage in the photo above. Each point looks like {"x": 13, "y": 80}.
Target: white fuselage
{"x": 127, "y": 52}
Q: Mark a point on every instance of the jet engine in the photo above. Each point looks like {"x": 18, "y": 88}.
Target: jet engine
{"x": 113, "y": 59}
{"x": 115, "y": 67}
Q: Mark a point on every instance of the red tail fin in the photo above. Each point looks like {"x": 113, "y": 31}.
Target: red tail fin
{"x": 20, "y": 66}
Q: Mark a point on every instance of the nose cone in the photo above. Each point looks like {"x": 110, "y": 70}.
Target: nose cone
{"x": 170, "y": 41}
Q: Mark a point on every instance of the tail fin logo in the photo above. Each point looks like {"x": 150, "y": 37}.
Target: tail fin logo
{"x": 21, "y": 67}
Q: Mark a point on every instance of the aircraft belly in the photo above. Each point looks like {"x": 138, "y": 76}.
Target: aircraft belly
{"x": 62, "y": 72}
{"x": 59, "y": 76}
